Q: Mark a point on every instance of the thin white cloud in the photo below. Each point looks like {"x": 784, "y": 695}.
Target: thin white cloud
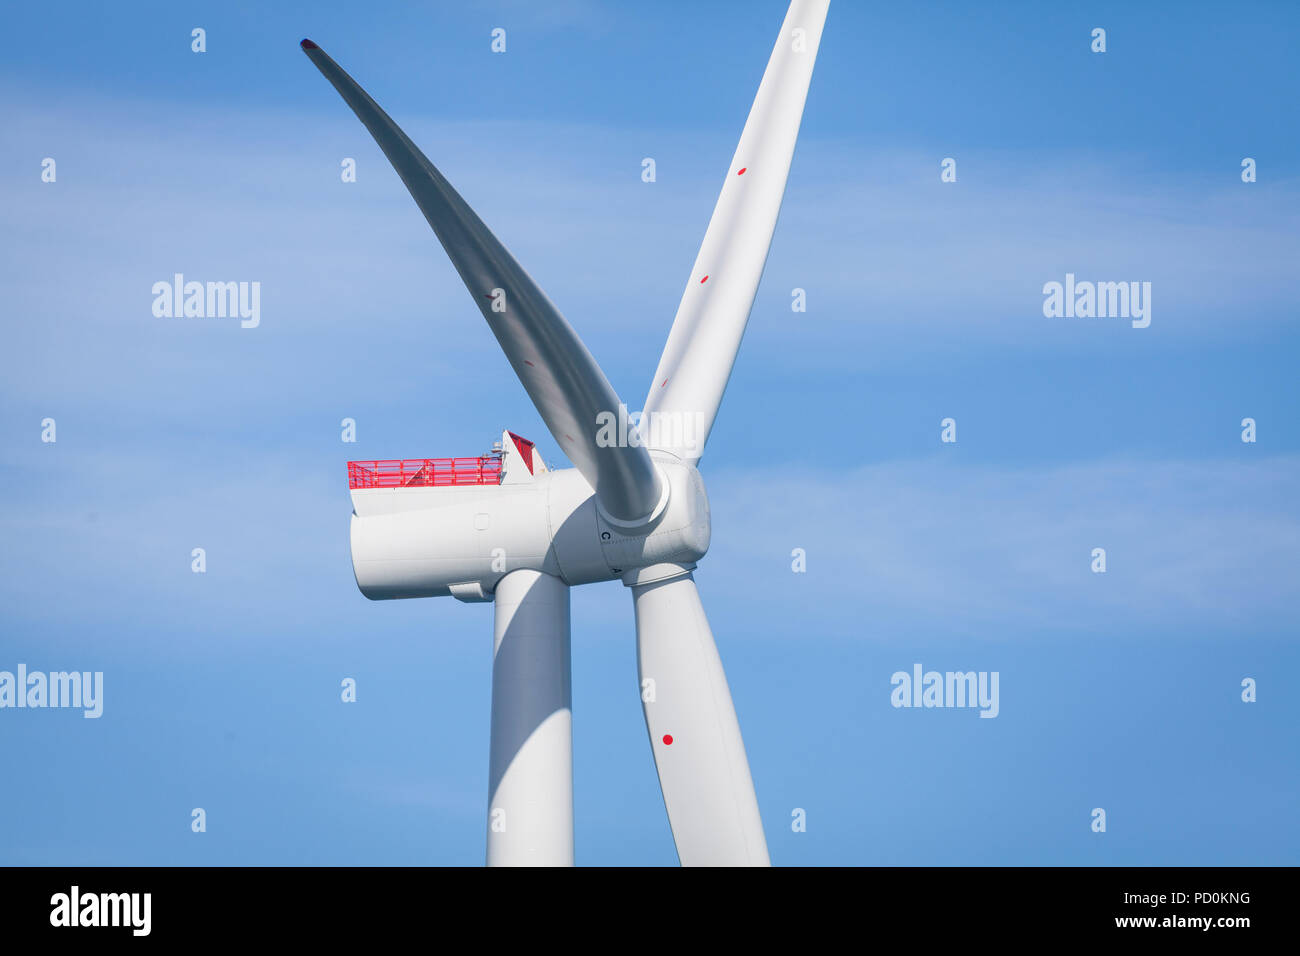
{"x": 907, "y": 546}
{"x": 926, "y": 545}
{"x": 351, "y": 274}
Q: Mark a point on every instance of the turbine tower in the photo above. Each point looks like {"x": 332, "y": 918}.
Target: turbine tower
{"x": 504, "y": 528}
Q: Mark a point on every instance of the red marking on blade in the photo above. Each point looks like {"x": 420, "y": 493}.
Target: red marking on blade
{"x": 568, "y": 436}
{"x": 663, "y": 383}
{"x": 488, "y": 295}
{"x": 529, "y": 364}
{"x": 741, "y": 171}
{"x": 704, "y": 280}
{"x": 668, "y": 739}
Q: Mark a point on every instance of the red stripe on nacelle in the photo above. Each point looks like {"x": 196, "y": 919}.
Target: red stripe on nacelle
{"x": 525, "y": 449}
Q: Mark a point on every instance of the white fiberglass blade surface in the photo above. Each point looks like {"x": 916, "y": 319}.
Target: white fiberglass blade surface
{"x": 560, "y": 375}
{"x": 694, "y": 734}
{"x": 710, "y": 322}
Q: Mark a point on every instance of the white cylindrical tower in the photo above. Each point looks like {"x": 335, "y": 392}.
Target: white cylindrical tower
{"x": 530, "y": 779}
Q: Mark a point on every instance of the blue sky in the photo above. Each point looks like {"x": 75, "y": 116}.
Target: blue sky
{"x": 1119, "y": 690}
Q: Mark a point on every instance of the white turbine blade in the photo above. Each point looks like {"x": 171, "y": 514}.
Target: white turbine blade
{"x": 561, "y": 377}
{"x": 694, "y": 735}
{"x": 701, "y": 349}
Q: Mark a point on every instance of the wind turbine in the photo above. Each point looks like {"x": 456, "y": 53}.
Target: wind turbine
{"x": 506, "y": 529}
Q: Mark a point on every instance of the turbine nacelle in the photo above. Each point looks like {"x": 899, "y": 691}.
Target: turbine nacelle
{"x": 429, "y": 540}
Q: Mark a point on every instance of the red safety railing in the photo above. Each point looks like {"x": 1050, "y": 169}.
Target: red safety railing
{"x": 425, "y": 472}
